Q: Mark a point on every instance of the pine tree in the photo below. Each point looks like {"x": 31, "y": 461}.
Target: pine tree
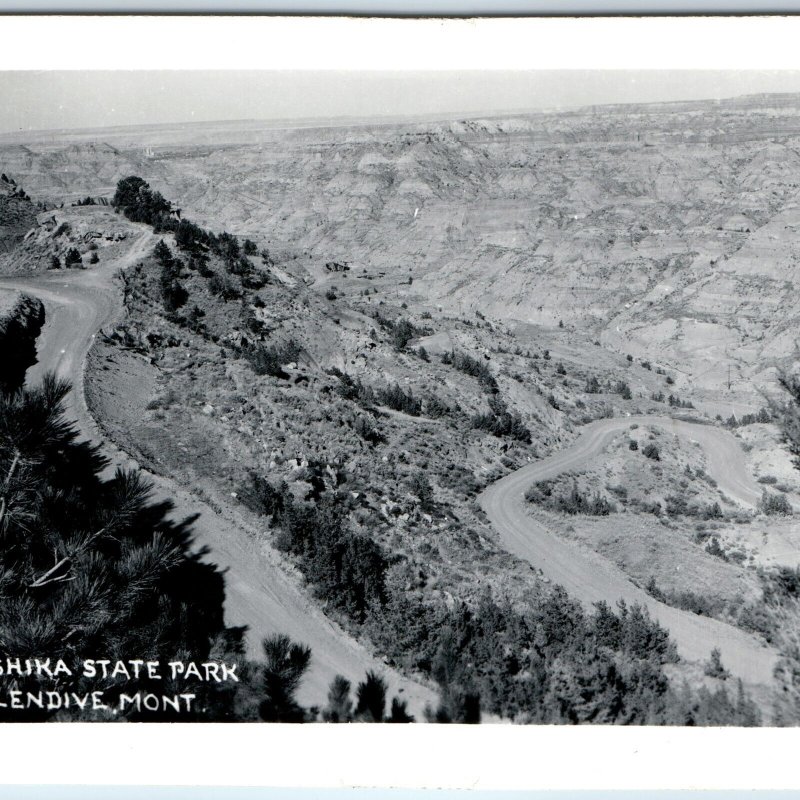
{"x": 285, "y": 664}
{"x": 371, "y": 698}
{"x": 92, "y": 566}
{"x": 340, "y": 706}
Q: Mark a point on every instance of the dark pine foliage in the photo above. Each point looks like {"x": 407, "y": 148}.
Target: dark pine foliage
{"x": 345, "y": 568}
{"x": 140, "y": 203}
{"x": 502, "y": 422}
{"x": 270, "y": 359}
{"x": 568, "y": 502}
{"x": 472, "y": 366}
{"x": 93, "y": 567}
{"x": 173, "y": 292}
{"x": 285, "y": 663}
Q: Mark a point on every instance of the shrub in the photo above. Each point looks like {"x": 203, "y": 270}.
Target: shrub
{"x": 394, "y": 397}
{"x": 774, "y": 504}
{"x": 72, "y": 258}
{"x": 622, "y": 388}
{"x": 592, "y": 385}
{"x": 365, "y": 428}
{"x": 714, "y": 668}
{"x": 269, "y": 359}
{"x": 502, "y": 422}
{"x": 571, "y": 502}
{"x": 651, "y": 451}
{"x": 472, "y": 366}
{"x": 400, "y": 332}
{"x": 174, "y": 296}
{"x": 140, "y": 203}
{"x": 347, "y": 569}
{"x": 436, "y": 408}
{"x": 224, "y": 287}
{"x": 261, "y": 497}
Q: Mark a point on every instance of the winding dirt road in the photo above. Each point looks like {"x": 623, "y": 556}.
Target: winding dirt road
{"x": 259, "y": 594}
{"x": 591, "y": 578}
{"x": 263, "y": 597}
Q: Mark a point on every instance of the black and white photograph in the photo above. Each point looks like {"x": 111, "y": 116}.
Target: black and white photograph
{"x": 442, "y": 396}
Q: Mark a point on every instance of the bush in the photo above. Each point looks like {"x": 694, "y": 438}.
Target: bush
{"x": 400, "y": 332}
{"x": 592, "y": 385}
{"x": 472, "y": 366}
{"x": 140, "y": 203}
{"x": 72, "y": 258}
{"x": 651, "y": 451}
{"x": 622, "y": 388}
{"x": 224, "y": 287}
{"x": 394, "y": 397}
{"x": 502, "y": 422}
{"x": 775, "y": 504}
{"x": 571, "y": 502}
{"x": 365, "y": 428}
{"x": 436, "y": 408}
{"x": 714, "y": 668}
{"x": 348, "y": 570}
{"x": 269, "y": 359}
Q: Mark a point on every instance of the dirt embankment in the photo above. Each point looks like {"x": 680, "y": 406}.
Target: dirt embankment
{"x": 118, "y": 385}
{"x": 21, "y": 320}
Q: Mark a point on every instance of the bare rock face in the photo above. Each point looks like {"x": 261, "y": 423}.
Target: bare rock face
{"x": 666, "y": 231}
{"x": 21, "y": 320}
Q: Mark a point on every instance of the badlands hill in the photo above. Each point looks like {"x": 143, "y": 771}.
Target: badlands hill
{"x": 666, "y": 231}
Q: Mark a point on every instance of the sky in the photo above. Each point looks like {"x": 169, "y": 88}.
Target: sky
{"x": 94, "y": 99}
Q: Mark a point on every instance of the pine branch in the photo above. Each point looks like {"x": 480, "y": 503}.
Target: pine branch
{"x": 51, "y": 577}
{"x": 9, "y": 477}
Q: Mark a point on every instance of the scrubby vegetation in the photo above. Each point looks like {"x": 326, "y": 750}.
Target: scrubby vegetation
{"x": 687, "y": 600}
{"x": 270, "y": 359}
{"x": 533, "y": 656}
{"x": 773, "y": 504}
{"x": 472, "y": 366}
{"x": 570, "y": 502}
{"x": 502, "y": 422}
